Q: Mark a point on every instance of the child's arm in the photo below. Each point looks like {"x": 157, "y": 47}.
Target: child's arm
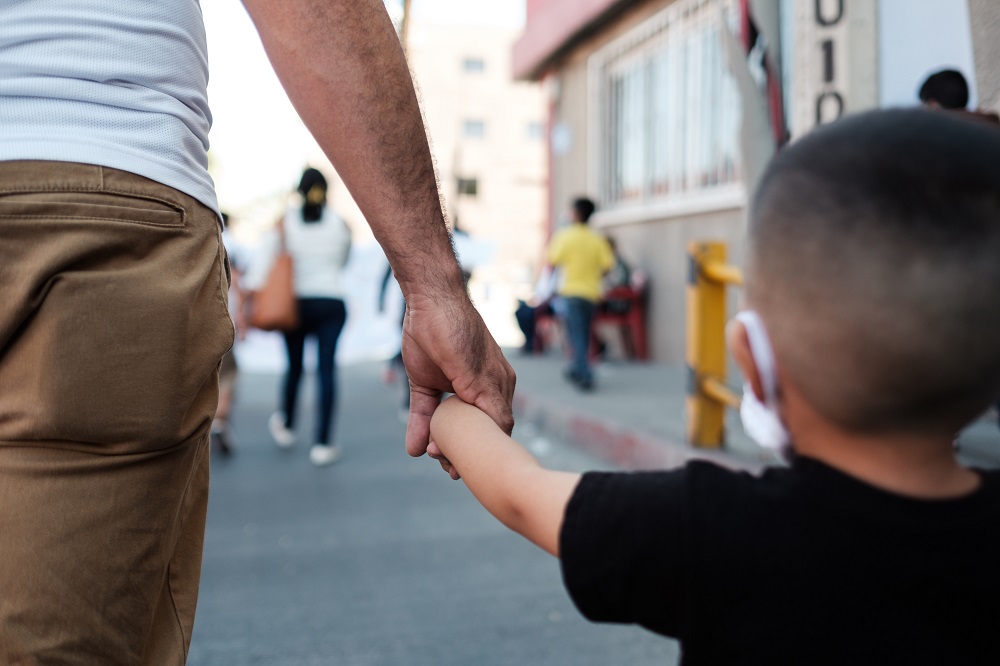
{"x": 502, "y": 475}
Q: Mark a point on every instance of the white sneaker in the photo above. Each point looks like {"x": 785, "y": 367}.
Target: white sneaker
{"x": 283, "y": 437}
{"x": 323, "y": 454}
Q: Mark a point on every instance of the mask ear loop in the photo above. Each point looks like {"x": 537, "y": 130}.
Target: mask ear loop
{"x": 763, "y": 354}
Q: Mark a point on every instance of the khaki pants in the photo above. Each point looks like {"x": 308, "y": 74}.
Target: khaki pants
{"x": 113, "y": 320}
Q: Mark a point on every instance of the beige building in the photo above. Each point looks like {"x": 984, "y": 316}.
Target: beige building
{"x": 667, "y": 110}
{"x": 487, "y": 134}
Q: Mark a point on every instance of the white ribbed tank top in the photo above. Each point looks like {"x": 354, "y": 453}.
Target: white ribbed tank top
{"x": 118, "y": 83}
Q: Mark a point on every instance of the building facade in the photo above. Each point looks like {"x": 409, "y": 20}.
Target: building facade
{"x": 666, "y": 111}
{"x": 487, "y": 134}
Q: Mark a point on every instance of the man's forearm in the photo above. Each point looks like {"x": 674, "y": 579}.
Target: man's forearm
{"x": 344, "y": 70}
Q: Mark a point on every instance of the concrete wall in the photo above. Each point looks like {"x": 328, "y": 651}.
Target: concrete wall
{"x": 984, "y": 18}
{"x": 569, "y": 138}
{"x": 660, "y": 248}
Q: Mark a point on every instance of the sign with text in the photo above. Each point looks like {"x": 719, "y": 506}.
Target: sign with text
{"x": 835, "y": 64}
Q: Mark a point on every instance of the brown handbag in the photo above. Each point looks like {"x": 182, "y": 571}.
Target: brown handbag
{"x": 275, "y": 307}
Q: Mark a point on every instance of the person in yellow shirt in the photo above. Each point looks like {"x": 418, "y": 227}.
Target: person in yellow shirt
{"x": 582, "y": 257}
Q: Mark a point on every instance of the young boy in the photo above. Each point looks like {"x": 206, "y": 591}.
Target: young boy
{"x": 874, "y": 265}
{"x": 582, "y": 257}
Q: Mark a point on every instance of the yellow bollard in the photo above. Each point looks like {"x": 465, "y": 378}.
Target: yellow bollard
{"x": 706, "y": 342}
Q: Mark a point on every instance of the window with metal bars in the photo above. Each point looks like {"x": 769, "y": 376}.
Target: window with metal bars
{"x": 666, "y": 113}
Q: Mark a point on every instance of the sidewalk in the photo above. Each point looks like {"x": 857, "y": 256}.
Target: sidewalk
{"x": 635, "y": 416}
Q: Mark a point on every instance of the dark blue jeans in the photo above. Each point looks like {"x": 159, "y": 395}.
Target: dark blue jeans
{"x": 324, "y": 318}
{"x": 579, "y": 315}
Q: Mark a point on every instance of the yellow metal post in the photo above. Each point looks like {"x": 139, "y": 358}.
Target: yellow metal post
{"x": 717, "y": 390}
{"x": 706, "y": 342}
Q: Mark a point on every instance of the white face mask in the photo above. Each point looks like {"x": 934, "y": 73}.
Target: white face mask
{"x": 761, "y": 421}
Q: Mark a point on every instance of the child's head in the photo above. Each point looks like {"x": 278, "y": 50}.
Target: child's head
{"x": 874, "y": 261}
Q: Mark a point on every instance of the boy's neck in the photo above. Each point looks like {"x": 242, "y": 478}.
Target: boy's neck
{"x": 923, "y": 468}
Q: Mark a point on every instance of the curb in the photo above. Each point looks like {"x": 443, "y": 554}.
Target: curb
{"x": 613, "y": 441}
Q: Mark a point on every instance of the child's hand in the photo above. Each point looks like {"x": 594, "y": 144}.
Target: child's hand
{"x": 456, "y": 429}
{"x": 441, "y": 416}
{"x": 502, "y": 475}
{"x": 434, "y": 451}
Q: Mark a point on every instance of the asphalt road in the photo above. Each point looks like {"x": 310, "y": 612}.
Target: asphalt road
{"x": 379, "y": 559}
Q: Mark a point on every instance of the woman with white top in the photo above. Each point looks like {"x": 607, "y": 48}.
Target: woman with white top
{"x": 319, "y": 242}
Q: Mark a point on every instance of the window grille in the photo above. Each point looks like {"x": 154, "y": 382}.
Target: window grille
{"x": 665, "y": 110}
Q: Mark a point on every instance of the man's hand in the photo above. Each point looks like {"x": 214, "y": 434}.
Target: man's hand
{"x": 447, "y": 348}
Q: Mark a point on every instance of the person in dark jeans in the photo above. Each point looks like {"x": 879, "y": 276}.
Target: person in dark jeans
{"x": 323, "y": 318}
{"x": 579, "y": 315}
{"x": 319, "y": 242}
{"x": 583, "y": 257}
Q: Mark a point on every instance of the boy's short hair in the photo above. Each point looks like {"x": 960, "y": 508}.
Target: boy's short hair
{"x": 583, "y": 208}
{"x": 874, "y": 259}
{"x": 948, "y": 88}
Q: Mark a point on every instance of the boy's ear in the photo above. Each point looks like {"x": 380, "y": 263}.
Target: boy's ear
{"x": 739, "y": 345}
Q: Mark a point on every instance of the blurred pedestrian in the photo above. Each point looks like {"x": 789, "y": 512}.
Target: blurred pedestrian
{"x": 112, "y": 311}
{"x": 616, "y": 290}
{"x": 222, "y": 432}
{"x": 461, "y": 238}
{"x": 395, "y": 370}
{"x": 945, "y": 89}
{"x": 319, "y": 242}
{"x": 582, "y": 257}
{"x": 619, "y": 277}
{"x": 538, "y": 307}
{"x": 948, "y": 90}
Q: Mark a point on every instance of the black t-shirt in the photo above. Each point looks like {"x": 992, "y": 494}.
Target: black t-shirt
{"x": 804, "y": 565}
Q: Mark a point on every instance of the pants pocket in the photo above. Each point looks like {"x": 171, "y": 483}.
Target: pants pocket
{"x": 114, "y": 331}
